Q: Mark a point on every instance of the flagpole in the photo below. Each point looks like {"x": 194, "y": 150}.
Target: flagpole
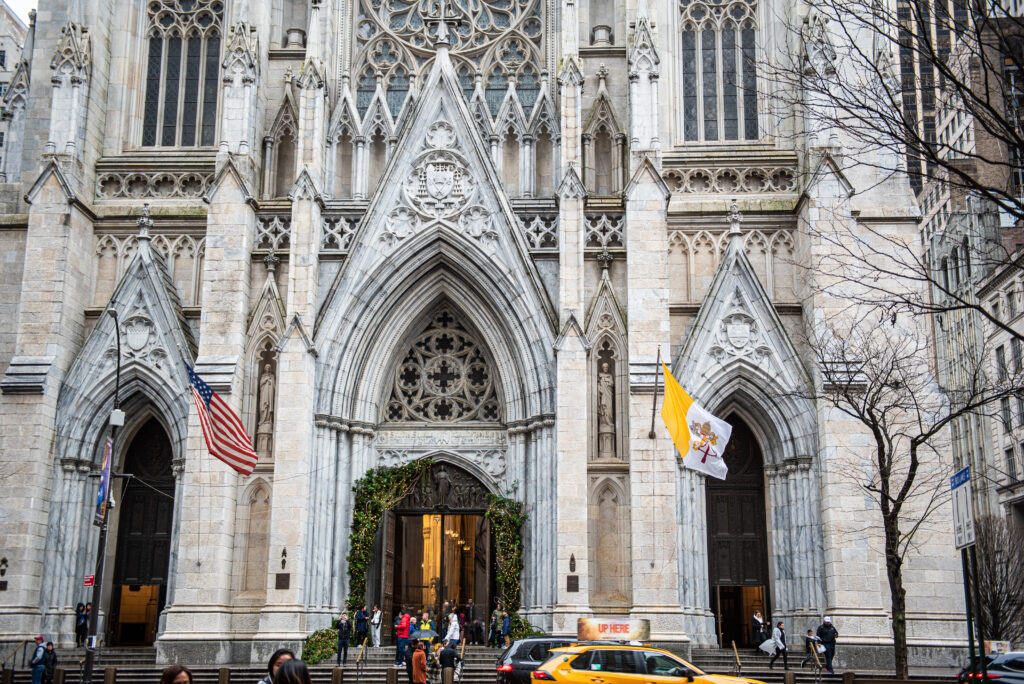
{"x": 654, "y": 404}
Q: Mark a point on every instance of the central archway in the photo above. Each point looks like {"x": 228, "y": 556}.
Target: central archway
{"x": 435, "y": 547}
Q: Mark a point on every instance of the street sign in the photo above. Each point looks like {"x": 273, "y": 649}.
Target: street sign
{"x": 90, "y": 580}
{"x": 963, "y": 508}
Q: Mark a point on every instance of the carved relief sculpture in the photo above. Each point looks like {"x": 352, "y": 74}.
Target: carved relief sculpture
{"x": 605, "y": 413}
{"x": 265, "y": 414}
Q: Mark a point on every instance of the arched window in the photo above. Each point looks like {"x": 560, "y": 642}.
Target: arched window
{"x": 182, "y": 71}
{"x": 719, "y": 74}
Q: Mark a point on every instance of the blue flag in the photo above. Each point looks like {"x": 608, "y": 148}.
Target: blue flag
{"x": 103, "y": 497}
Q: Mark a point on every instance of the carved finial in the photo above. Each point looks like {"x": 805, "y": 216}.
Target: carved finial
{"x": 444, "y": 32}
{"x": 602, "y": 75}
{"x": 288, "y": 76}
{"x": 735, "y": 218}
{"x": 144, "y": 223}
{"x": 271, "y": 260}
{"x": 605, "y": 258}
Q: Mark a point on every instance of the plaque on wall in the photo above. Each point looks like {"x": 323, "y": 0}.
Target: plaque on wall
{"x": 572, "y": 583}
{"x": 284, "y": 580}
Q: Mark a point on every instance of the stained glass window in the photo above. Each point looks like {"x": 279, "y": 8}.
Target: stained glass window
{"x": 719, "y": 70}
{"x": 182, "y": 67}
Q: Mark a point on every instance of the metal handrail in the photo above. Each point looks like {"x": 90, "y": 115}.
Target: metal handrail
{"x": 15, "y": 652}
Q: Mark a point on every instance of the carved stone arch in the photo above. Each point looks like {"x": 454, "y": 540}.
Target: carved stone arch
{"x": 680, "y": 266}
{"x": 606, "y": 327}
{"x": 704, "y": 259}
{"x": 468, "y": 485}
{"x": 342, "y": 140}
{"x": 283, "y": 135}
{"x": 259, "y": 403}
{"x": 252, "y": 554}
{"x": 107, "y": 269}
{"x": 783, "y": 267}
{"x": 603, "y": 147}
{"x": 755, "y": 243}
{"x": 609, "y": 540}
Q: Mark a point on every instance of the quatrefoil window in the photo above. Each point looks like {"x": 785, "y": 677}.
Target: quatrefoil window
{"x": 443, "y": 378}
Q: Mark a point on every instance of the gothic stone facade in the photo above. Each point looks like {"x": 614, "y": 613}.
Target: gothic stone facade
{"x": 381, "y": 236}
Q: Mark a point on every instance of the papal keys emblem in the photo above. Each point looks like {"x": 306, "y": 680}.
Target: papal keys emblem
{"x": 440, "y": 178}
{"x": 704, "y": 439}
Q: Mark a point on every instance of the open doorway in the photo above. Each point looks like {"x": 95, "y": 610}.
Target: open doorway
{"x": 145, "y": 520}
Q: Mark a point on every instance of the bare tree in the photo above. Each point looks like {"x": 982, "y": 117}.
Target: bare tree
{"x": 876, "y": 82}
{"x": 878, "y": 374}
{"x": 1000, "y": 549}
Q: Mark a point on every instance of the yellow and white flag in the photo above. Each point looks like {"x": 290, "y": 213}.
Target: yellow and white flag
{"x": 698, "y": 435}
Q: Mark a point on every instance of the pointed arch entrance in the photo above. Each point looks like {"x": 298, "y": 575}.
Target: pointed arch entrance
{"x": 435, "y": 546}
{"x": 144, "y": 530}
{"x": 738, "y": 539}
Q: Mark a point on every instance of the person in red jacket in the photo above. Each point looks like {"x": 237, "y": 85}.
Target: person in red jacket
{"x": 401, "y": 636}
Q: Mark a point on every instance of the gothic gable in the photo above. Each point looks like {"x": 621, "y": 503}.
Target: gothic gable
{"x": 156, "y": 345}
{"x": 738, "y": 332}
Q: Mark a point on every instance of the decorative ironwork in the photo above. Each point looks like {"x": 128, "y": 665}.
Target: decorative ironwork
{"x": 444, "y": 378}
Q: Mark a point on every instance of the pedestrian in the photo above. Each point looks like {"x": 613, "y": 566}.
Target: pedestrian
{"x": 810, "y": 645}
{"x": 376, "y": 619}
{"x": 757, "y": 630}
{"x": 344, "y": 628}
{"x": 402, "y": 635}
{"x": 176, "y": 674}
{"x": 410, "y": 649}
{"x": 362, "y": 625}
{"x": 506, "y": 628}
{"x": 49, "y": 663}
{"x": 779, "y": 637}
{"x": 472, "y": 623}
{"x": 419, "y": 664}
{"x": 292, "y": 672}
{"x": 449, "y": 659}
{"x": 81, "y": 625}
{"x": 495, "y": 627}
{"x": 827, "y": 636}
{"x": 280, "y": 656}
{"x": 38, "y": 663}
{"x": 423, "y": 625}
{"x": 453, "y": 634}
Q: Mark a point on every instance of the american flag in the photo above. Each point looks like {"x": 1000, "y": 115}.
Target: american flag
{"x": 226, "y": 437}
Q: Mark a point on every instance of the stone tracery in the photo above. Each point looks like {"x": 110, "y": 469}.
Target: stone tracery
{"x": 444, "y": 377}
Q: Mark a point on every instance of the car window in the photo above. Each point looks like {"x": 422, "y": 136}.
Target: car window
{"x": 664, "y": 666}
{"x": 1016, "y": 664}
{"x": 614, "y": 660}
{"x": 542, "y": 650}
{"x": 582, "y": 661}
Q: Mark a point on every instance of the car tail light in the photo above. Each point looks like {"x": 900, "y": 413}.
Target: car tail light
{"x": 504, "y": 668}
{"x": 541, "y": 674}
{"x": 990, "y": 675}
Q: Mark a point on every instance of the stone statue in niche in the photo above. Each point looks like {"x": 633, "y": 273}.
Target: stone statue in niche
{"x": 605, "y": 412}
{"x": 265, "y": 413}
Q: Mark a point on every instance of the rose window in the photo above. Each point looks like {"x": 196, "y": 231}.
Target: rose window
{"x": 443, "y": 378}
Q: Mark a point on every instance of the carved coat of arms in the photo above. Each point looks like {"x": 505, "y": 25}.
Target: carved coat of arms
{"x": 440, "y": 179}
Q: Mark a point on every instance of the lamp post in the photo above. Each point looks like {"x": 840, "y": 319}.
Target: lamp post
{"x": 116, "y": 421}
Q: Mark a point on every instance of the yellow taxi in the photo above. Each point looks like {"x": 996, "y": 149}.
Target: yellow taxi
{"x": 623, "y": 664}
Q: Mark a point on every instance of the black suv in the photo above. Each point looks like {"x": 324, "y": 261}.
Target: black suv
{"x": 524, "y": 656}
{"x": 1008, "y": 668}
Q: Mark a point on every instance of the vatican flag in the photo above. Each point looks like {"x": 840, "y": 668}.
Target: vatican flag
{"x": 699, "y": 436}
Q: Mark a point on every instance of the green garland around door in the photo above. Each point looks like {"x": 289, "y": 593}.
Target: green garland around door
{"x": 507, "y": 518}
{"x": 380, "y": 490}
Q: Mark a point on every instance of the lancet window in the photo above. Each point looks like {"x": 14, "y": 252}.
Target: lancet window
{"x": 719, "y": 73}
{"x": 182, "y": 68}
{"x": 444, "y": 377}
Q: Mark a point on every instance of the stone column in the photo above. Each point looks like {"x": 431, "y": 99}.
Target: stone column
{"x": 653, "y": 462}
{"x": 198, "y": 624}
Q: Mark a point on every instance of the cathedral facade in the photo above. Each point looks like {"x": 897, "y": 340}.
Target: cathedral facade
{"x": 462, "y": 230}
